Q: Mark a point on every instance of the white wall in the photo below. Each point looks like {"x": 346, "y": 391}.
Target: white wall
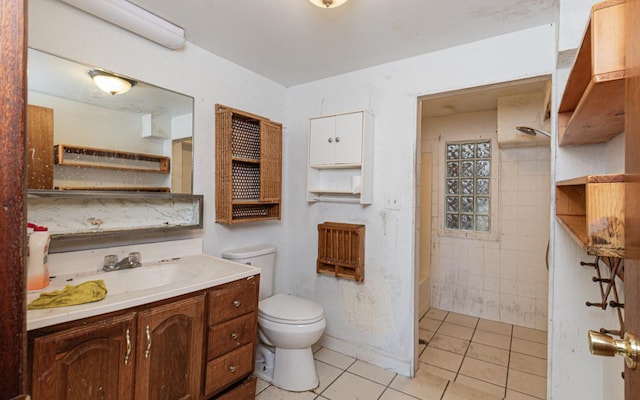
{"x": 375, "y": 319}
{"x": 574, "y": 372}
{"x": 59, "y": 29}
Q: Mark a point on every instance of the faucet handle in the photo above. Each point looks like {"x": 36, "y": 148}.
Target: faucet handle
{"x": 110, "y": 262}
{"x": 135, "y": 256}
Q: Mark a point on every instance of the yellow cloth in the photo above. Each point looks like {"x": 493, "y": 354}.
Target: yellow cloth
{"x": 86, "y": 292}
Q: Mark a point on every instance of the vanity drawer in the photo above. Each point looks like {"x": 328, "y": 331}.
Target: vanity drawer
{"x": 231, "y": 335}
{"x": 225, "y": 370}
{"x": 234, "y": 300}
{"x": 243, "y": 391}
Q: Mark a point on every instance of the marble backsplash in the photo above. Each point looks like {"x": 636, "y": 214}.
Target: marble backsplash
{"x": 68, "y": 215}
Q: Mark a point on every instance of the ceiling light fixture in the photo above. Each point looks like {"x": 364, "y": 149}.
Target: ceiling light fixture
{"x": 134, "y": 19}
{"x": 328, "y": 3}
{"x": 111, "y": 83}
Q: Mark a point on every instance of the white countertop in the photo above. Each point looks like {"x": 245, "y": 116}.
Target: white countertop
{"x": 167, "y": 278}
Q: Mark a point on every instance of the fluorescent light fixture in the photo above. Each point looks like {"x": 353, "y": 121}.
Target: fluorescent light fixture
{"x": 134, "y": 19}
{"x": 111, "y": 83}
{"x": 328, "y": 3}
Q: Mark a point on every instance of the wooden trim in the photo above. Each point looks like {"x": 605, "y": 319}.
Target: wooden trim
{"x": 13, "y": 86}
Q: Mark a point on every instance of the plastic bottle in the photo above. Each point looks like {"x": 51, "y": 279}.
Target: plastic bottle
{"x": 37, "y": 265}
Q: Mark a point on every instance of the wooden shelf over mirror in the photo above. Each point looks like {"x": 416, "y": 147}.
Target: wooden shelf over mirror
{"x": 89, "y": 157}
{"x": 591, "y": 209}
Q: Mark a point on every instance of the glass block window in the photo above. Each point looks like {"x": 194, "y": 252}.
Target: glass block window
{"x": 468, "y": 180}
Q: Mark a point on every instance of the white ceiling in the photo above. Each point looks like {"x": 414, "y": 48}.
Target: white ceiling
{"x": 293, "y": 41}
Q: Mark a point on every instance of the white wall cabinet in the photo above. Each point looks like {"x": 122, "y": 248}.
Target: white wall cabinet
{"x": 340, "y": 158}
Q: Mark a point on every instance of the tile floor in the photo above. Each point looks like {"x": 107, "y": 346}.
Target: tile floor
{"x": 466, "y": 358}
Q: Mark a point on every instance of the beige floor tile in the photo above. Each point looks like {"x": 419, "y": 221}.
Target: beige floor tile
{"x": 430, "y": 324}
{"x": 421, "y": 348}
{"x": 482, "y": 386}
{"x": 532, "y": 385}
{"x": 315, "y": 347}
{"x": 392, "y": 394}
{"x": 495, "y": 327}
{"x": 458, "y": 391}
{"x": 448, "y": 343}
{"x": 326, "y": 374}
{"x": 530, "y": 348}
{"x": 488, "y": 353}
{"x": 334, "y": 358}
{"x": 437, "y": 371}
{"x": 456, "y": 331}
{"x": 435, "y": 313}
{"x": 512, "y": 395}
{"x": 371, "y": 372}
{"x": 492, "y": 339}
{"x": 533, "y": 335}
{"x": 424, "y": 386}
{"x": 441, "y": 358}
{"x": 261, "y": 385}
{"x": 352, "y": 387}
{"x": 463, "y": 320}
{"x": 528, "y": 364}
{"x": 274, "y": 393}
{"x": 425, "y": 334}
{"x": 484, "y": 371}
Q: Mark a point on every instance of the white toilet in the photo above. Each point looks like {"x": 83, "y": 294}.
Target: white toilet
{"x": 287, "y": 326}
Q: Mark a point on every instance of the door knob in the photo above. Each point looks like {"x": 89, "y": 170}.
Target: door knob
{"x": 604, "y": 345}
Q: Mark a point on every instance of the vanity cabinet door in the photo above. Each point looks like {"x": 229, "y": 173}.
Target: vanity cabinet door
{"x": 93, "y": 361}
{"x": 169, "y": 354}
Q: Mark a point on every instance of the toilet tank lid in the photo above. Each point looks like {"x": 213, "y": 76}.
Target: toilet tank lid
{"x": 249, "y": 251}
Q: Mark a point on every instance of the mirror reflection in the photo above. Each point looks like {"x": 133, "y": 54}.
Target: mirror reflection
{"x": 81, "y": 137}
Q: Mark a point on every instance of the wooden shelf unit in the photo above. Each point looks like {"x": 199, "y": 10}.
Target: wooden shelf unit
{"x": 592, "y": 107}
{"x": 248, "y": 167}
{"x": 591, "y": 209}
{"x": 90, "y": 157}
{"x": 341, "y": 250}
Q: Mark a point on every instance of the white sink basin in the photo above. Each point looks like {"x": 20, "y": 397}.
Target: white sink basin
{"x": 129, "y": 280}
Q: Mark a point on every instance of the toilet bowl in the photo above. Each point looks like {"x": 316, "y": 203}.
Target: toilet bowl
{"x": 287, "y": 327}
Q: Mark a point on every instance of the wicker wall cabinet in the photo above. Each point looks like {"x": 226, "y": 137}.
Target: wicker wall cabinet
{"x": 248, "y": 167}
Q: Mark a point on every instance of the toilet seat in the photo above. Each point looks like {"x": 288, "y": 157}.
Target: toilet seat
{"x": 291, "y": 310}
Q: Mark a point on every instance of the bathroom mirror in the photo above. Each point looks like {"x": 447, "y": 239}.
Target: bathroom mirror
{"x": 81, "y": 138}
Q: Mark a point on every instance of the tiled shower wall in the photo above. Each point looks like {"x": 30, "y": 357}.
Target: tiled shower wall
{"x": 502, "y": 278}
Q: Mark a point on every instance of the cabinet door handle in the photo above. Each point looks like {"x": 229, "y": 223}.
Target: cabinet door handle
{"x": 146, "y": 352}
{"x": 337, "y": 139}
{"x": 236, "y": 303}
{"x": 330, "y": 140}
{"x": 126, "y": 357}
{"x": 232, "y": 369}
{"x": 234, "y": 336}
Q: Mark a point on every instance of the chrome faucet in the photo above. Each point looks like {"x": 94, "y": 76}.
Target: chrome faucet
{"x": 111, "y": 262}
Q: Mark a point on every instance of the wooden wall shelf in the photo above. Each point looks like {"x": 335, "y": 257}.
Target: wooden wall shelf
{"x": 90, "y": 157}
{"x": 591, "y": 208}
{"x": 592, "y": 107}
{"x": 341, "y": 250}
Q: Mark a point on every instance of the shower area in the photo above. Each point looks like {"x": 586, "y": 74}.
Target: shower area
{"x": 484, "y": 202}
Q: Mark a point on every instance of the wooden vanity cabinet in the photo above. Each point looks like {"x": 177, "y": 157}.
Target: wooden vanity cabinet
{"x": 152, "y": 354}
{"x": 169, "y": 353}
{"x": 91, "y": 361}
{"x": 232, "y": 329}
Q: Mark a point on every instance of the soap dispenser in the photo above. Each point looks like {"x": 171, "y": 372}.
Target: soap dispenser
{"x": 38, "y": 252}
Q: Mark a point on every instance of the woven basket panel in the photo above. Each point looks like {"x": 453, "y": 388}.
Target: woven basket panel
{"x": 246, "y": 181}
{"x": 245, "y": 138}
{"x": 271, "y": 162}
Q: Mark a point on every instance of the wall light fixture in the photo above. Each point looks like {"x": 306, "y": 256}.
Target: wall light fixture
{"x": 111, "y": 83}
{"x": 328, "y": 3}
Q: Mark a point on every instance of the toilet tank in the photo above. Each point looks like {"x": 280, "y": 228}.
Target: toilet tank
{"x": 262, "y": 256}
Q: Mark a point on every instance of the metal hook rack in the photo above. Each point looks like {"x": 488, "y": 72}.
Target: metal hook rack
{"x": 608, "y": 287}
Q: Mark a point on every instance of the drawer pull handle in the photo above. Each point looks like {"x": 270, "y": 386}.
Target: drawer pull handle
{"x": 126, "y": 357}
{"x": 234, "y": 336}
{"x": 232, "y": 369}
{"x": 236, "y": 303}
{"x": 146, "y": 352}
